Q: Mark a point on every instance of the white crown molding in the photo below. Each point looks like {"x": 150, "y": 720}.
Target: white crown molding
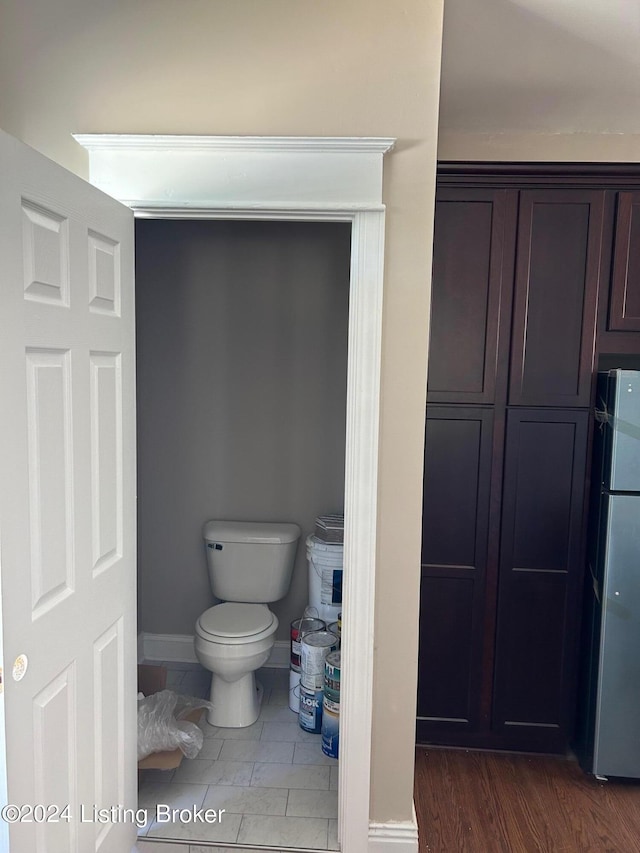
{"x": 176, "y": 143}
{"x": 293, "y": 179}
{"x": 318, "y": 212}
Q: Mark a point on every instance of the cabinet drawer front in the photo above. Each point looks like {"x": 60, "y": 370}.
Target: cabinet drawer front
{"x": 624, "y": 305}
{"x": 557, "y": 273}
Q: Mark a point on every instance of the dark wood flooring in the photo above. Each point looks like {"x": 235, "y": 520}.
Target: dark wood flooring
{"x": 484, "y": 802}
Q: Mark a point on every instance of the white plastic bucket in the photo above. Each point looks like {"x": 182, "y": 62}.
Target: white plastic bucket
{"x": 326, "y": 563}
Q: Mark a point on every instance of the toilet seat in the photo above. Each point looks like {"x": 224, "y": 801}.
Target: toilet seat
{"x": 234, "y": 623}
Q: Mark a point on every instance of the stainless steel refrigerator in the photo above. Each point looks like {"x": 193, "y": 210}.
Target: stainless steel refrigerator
{"x": 609, "y": 700}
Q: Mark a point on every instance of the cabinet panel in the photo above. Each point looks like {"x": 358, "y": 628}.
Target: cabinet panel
{"x": 540, "y": 573}
{"x": 445, "y": 677}
{"x": 556, "y": 288}
{"x": 471, "y": 292}
{"x": 624, "y": 306}
{"x": 457, "y": 481}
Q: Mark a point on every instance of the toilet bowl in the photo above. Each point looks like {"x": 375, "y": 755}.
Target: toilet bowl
{"x": 250, "y": 565}
{"x": 233, "y": 640}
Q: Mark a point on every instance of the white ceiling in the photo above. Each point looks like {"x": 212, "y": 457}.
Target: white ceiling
{"x": 558, "y": 66}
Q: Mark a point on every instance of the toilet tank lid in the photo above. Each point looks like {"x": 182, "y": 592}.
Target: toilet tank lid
{"x": 252, "y": 532}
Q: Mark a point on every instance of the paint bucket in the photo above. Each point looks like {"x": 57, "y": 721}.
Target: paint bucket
{"x": 325, "y": 577}
{"x": 332, "y": 672}
{"x": 334, "y": 627}
{"x": 300, "y": 627}
{"x": 330, "y": 726}
{"x": 314, "y": 649}
{"x": 310, "y": 713}
{"x": 294, "y": 690}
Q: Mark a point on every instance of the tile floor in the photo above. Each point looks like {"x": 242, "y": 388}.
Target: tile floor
{"x": 272, "y": 779}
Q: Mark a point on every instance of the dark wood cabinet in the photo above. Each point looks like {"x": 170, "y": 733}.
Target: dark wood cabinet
{"x": 471, "y": 295}
{"x": 540, "y": 574}
{"x": 551, "y": 328}
{"x": 556, "y": 289}
{"x": 624, "y": 303}
{"x": 457, "y": 482}
{"x": 536, "y": 274}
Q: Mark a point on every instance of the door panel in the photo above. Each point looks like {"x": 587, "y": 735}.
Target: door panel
{"x": 556, "y": 289}
{"x": 471, "y": 293}
{"x": 621, "y": 431}
{"x": 617, "y": 725}
{"x": 624, "y": 305}
{"x": 540, "y": 575}
{"x": 457, "y": 483}
{"x": 446, "y": 652}
{"x": 67, "y": 513}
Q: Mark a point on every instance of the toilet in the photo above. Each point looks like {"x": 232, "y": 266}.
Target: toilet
{"x": 250, "y": 565}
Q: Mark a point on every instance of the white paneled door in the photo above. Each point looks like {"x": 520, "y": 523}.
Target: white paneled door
{"x": 67, "y": 509}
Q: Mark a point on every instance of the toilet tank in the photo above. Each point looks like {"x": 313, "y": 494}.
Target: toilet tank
{"x": 250, "y": 561}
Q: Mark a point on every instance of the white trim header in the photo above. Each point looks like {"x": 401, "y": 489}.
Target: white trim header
{"x": 226, "y": 172}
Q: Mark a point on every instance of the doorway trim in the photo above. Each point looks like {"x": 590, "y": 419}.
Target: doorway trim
{"x": 296, "y": 178}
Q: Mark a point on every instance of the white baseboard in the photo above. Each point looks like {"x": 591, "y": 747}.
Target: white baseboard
{"x": 178, "y": 648}
{"x": 394, "y": 836}
{"x": 280, "y": 657}
{"x": 170, "y": 647}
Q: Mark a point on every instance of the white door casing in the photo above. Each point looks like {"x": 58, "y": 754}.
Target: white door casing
{"x": 67, "y": 504}
{"x": 297, "y": 178}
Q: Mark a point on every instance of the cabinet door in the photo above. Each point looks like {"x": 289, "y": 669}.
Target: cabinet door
{"x": 540, "y": 576}
{"x": 454, "y": 552}
{"x": 556, "y": 290}
{"x": 471, "y": 292}
{"x": 624, "y": 305}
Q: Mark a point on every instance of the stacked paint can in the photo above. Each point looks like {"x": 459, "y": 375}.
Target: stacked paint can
{"x": 313, "y": 650}
{"x": 331, "y": 705}
{"x": 299, "y": 627}
{"x": 336, "y": 628}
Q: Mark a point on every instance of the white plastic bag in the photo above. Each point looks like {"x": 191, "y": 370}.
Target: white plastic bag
{"x": 160, "y": 726}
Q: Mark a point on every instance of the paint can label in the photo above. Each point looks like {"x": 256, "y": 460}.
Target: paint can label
{"x": 331, "y": 586}
{"x": 310, "y": 713}
{"x": 331, "y": 684}
{"x": 294, "y": 690}
{"x": 315, "y": 648}
{"x": 300, "y": 627}
{"x": 332, "y": 672}
{"x": 329, "y": 693}
{"x": 330, "y": 727}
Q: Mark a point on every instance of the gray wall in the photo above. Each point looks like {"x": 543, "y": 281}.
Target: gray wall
{"x": 242, "y": 351}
